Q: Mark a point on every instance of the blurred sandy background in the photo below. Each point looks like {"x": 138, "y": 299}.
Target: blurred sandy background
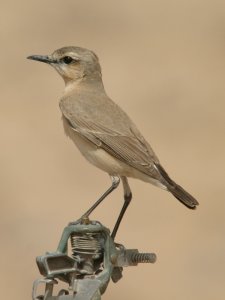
{"x": 164, "y": 63}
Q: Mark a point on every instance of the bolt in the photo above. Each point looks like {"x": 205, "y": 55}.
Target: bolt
{"x": 143, "y": 257}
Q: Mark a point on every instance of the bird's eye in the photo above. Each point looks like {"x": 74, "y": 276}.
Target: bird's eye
{"x": 67, "y": 60}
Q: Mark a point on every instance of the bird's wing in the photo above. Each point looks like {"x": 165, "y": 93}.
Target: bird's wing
{"x": 130, "y": 148}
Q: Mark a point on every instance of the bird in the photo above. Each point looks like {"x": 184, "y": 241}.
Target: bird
{"x": 103, "y": 132}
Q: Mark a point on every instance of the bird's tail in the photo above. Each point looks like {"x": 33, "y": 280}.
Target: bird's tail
{"x": 177, "y": 191}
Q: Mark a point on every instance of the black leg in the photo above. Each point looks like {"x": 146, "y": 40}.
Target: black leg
{"x": 127, "y": 200}
{"x": 115, "y": 183}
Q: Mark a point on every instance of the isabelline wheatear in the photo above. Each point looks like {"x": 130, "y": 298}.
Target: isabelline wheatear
{"x": 102, "y": 131}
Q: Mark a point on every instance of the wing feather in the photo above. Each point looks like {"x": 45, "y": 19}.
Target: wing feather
{"x": 131, "y": 149}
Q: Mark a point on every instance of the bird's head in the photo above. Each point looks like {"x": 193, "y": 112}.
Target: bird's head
{"x": 72, "y": 63}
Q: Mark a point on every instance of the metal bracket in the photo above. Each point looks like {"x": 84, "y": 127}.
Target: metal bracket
{"x": 95, "y": 259}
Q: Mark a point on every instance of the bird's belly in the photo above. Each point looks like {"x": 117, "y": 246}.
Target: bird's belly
{"x": 101, "y": 159}
{"x": 97, "y": 156}
{"x": 104, "y": 161}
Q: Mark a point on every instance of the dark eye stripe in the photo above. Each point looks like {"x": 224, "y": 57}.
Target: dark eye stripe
{"x": 67, "y": 59}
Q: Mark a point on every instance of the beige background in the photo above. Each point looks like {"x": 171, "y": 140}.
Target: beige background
{"x": 164, "y": 63}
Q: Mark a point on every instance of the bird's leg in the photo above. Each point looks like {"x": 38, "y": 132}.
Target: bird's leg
{"x": 127, "y": 199}
{"x": 115, "y": 183}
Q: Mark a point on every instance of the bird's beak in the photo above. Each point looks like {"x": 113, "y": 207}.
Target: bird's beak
{"x": 44, "y": 58}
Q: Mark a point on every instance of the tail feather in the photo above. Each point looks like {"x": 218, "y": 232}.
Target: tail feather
{"x": 177, "y": 191}
{"x": 183, "y": 196}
